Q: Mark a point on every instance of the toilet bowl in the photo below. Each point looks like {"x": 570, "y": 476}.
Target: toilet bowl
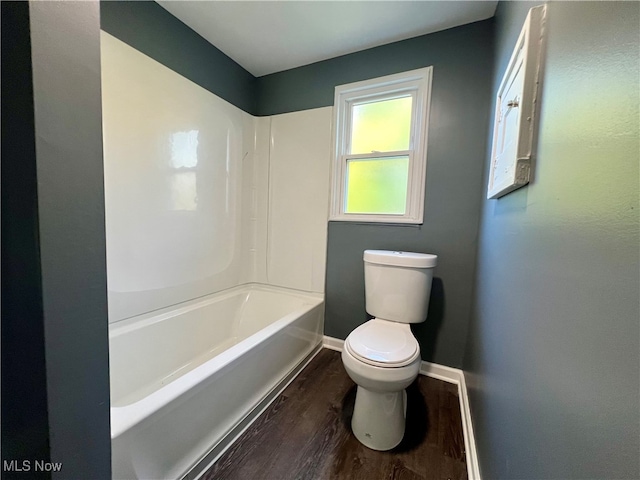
{"x": 382, "y": 356}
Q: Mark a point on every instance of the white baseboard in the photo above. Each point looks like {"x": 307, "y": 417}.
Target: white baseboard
{"x": 332, "y": 343}
{"x": 473, "y": 467}
{"x": 446, "y": 374}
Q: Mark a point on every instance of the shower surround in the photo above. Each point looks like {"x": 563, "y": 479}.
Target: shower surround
{"x": 206, "y": 206}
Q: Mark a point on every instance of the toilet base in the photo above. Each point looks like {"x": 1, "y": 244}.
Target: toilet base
{"x": 379, "y": 418}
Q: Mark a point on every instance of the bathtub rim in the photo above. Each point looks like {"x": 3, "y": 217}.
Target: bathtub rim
{"x": 123, "y": 325}
{"x": 127, "y": 416}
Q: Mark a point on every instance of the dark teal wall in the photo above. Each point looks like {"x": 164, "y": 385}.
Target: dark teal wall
{"x": 65, "y": 55}
{"x": 460, "y": 100}
{"x": 55, "y": 361}
{"x": 312, "y": 86}
{"x": 25, "y": 425}
{"x": 553, "y": 354}
{"x": 149, "y": 28}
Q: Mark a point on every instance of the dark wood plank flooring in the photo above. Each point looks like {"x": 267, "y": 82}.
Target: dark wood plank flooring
{"x": 306, "y": 434}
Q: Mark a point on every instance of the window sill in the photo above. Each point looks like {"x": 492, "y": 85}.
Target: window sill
{"x": 377, "y": 219}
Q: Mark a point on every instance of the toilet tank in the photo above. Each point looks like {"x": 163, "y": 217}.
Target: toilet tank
{"x": 398, "y": 284}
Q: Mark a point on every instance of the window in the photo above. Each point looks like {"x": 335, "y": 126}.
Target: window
{"x": 380, "y": 148}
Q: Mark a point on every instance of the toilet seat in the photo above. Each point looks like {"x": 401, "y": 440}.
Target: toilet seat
{"x": 383, "y": 344}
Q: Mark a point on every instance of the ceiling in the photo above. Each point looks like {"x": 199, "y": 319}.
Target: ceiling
{"x": 270, "y": 36}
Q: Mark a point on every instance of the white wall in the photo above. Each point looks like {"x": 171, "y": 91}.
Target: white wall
{"x": 173, "y": 154}
{"x": 288, "y": 195}
{"x": 298, "y": 198}
{"x": 201, "y": 196}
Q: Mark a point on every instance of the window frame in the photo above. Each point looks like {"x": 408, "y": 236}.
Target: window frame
{"x": 416, "y": 83}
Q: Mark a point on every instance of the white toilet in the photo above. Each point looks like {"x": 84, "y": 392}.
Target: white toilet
{"x": 382, "y": 356}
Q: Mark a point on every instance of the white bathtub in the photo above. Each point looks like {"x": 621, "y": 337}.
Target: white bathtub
{"x": 183, "y": 378}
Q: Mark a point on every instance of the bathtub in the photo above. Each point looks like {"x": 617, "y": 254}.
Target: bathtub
{"x": 186, "y": 379}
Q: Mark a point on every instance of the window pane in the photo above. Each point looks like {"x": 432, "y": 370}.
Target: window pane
{"x": 377, "y": 185}
{"x": 381, "y": 126}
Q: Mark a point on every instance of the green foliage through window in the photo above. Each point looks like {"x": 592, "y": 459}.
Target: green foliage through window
{"x": 382, "y": 126}
{"x": 377, "y": 185}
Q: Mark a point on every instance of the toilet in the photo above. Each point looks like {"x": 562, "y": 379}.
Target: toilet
{"x": 382, "y": 356}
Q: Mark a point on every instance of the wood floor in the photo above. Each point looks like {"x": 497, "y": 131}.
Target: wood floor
{"x": 306, "y": 434}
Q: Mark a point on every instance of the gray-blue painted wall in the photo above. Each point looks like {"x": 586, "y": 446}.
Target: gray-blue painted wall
{"x": 57, "y": 393}
{"x": 25, "y": 423}
{"x": 312, "y": 86}
{"x": 65, "y": 54}
{"x": 553, "y": 353}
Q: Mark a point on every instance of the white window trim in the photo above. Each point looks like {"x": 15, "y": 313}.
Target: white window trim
{"x": 418, "y": 84}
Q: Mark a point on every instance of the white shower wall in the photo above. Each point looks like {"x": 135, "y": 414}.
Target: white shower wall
{"x": 298, "y": 199}
{"x": 201, "y": 196}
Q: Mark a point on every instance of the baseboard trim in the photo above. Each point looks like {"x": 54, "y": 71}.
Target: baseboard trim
{"x": 446, "y": 374}
{"x": 473, "y": 466}
{"x": 332, "y": 343}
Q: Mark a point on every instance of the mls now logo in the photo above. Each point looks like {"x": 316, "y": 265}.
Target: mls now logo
{"x": 26, "y": 466}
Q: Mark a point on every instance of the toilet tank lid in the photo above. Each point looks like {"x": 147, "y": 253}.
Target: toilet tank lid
{"x": 401, "y": 259}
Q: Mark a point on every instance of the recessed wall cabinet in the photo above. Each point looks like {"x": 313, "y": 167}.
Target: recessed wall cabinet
{"x": 517, "y": 105}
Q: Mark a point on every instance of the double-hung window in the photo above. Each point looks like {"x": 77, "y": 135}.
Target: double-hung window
{"x": 380, "y": 148}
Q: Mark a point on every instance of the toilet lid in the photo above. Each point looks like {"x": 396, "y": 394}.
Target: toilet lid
{"x": 383, "y": 343}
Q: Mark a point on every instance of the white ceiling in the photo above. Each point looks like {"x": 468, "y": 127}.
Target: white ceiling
{"x": 270, "y": 36}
